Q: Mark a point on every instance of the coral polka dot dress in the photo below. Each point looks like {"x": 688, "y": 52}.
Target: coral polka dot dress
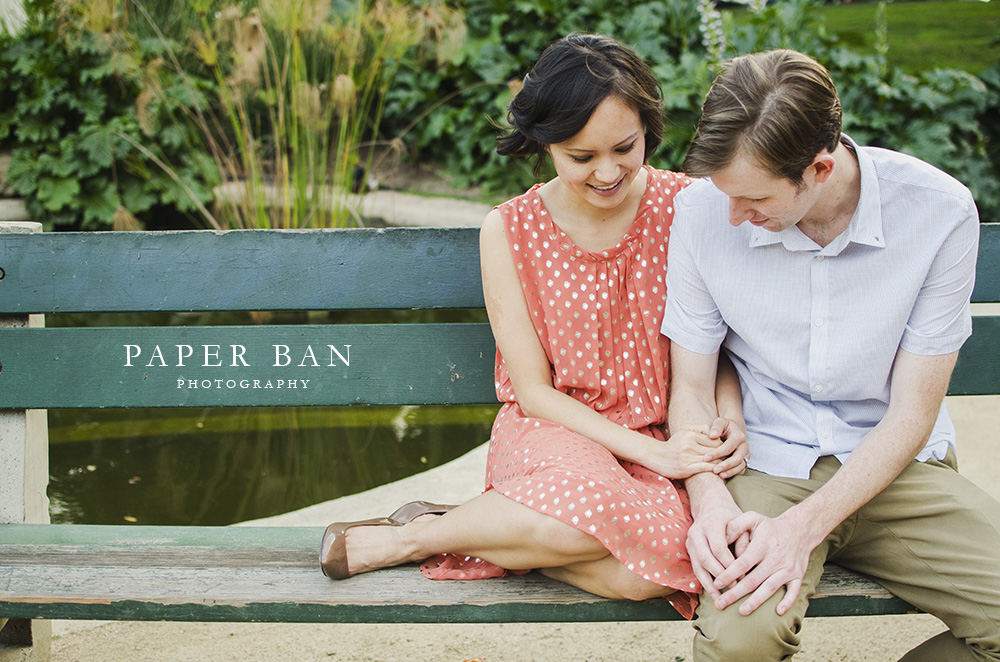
{"x": 597, "y": 314}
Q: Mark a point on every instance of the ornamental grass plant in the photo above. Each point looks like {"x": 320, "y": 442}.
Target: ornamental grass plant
{"x": 299, "y": 88}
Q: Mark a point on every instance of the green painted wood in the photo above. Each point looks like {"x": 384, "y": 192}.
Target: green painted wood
{"x": 987, "y": 288}
{"x": 977, "y": 371}
{"x": 394, "y": 364}
{"x": 240, "y": 270}
{"x": 105, "y": 536}
{"x": 272, "y": 574}
{"x": 271, "y": 270}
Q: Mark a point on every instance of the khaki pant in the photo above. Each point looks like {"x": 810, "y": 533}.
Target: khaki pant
{"x": 932, "y": 538}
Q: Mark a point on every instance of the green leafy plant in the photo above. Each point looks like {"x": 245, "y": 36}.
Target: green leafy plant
{"x": 246, "y": 115}
{"x": 298, "y": 86}
{"x": 943, "y": 117}
{"x": 502, "y": 41}
{"x": 68, "y": 116}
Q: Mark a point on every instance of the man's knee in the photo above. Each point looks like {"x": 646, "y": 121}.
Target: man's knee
{"x": 761, "y": 636}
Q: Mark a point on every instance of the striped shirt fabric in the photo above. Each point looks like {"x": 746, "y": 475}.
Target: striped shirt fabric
{"x": 813, "y": 331}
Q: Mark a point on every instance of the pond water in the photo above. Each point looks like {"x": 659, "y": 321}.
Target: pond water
{"x": 221, "y": 466}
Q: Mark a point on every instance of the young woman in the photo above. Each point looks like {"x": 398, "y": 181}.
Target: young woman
{"x": 583, "y": 482}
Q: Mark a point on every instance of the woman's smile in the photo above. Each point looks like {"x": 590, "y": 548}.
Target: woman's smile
{"x": 607, "y": 190}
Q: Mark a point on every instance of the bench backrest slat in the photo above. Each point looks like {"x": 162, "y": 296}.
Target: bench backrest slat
{"x": 228, "y": 366}
{"x": 397, "y": 268}
{"x": 978, "y": 369}
{"x": 393, "y": 364}
{"x": 397, "y": 364}
{"x": 988, "y": 266}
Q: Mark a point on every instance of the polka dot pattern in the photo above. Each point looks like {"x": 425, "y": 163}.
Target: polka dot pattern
{"x": 597, "y": 314}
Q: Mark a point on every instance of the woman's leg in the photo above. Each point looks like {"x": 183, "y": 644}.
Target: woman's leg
{"x": 607, "y": 577}
{"x": 500, "y": 530}
{"x": 490, "y": 526}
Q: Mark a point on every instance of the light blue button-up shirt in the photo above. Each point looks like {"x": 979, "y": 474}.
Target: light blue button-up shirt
{"x": 813, "y": 331}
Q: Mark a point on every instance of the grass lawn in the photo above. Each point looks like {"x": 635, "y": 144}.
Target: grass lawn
{"x": 960, "y": 34}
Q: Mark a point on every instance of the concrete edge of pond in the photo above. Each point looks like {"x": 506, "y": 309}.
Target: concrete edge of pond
{"x": 454, "y": 482}
{"x": 977, "y": 419}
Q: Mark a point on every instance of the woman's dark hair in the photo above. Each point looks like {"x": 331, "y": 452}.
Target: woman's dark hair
{"x": 571, "y": 78}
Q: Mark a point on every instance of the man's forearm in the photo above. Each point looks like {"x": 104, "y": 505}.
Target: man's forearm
{"x": 918, "y": 388}
{"x": 872, "y": 466}
{"x": 693, "y": 402}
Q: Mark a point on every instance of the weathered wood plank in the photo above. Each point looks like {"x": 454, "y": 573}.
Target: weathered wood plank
{"x": 393, "y": 364}
{"x": 272, "y": 270}
{"x": 246, "y": 270}
{"x": 977, "y": 371}
{"x": 988, "y": 266}
{"x": 388, "y": 364}
{"x": 272, "y": 574}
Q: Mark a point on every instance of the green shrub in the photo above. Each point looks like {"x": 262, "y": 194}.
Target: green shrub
{"x": 103, "y": 117}
{"x": 68, "y": 114}
{"x": 989, "y": 121}
{"x": 466, "y": 93}
{"x": 297, "y": 86}
{"x": 946, "y": 117}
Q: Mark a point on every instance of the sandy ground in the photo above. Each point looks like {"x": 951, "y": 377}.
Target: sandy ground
{"x": 864, "y": 639}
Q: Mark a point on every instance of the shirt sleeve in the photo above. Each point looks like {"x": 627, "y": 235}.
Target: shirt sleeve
{"x": 691, "y": 317}
{"x": 941, "y": 319}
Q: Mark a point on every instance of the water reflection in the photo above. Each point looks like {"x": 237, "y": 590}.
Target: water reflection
{"x": 220, "y": 466}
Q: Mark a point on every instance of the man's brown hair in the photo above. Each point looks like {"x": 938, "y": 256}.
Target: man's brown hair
{"x": 779, "y": 108}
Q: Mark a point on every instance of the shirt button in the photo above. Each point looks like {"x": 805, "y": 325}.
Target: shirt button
{"x": 818, "y": 388}
{"x": 820, "y": 258}
{"x": 819, "y": 322}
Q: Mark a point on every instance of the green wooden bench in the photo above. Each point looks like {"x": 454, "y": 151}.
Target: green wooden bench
{"x": 272, "y": 574}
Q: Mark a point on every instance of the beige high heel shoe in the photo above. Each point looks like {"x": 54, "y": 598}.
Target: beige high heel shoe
{"x": 333, "y": 548}
{"x": 411, "y": 511}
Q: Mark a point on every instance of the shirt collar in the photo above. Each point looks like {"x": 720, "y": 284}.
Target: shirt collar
{"x": 865, "y": 226}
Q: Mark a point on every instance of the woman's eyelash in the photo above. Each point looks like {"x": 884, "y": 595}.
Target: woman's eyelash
{"x": 621, "y": 150}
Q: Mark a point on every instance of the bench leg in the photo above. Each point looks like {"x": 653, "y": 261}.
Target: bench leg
{"x": 24, "y": 477}
{"x": 23, "y": 640}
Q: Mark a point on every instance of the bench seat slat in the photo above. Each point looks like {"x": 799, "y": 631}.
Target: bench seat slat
{"x": 272, "y": 574}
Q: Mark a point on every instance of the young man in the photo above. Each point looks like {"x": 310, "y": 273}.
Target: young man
{"x": 837, "y": 278}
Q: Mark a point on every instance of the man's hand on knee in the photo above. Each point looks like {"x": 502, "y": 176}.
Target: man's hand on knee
{"x": 777, "y": 555}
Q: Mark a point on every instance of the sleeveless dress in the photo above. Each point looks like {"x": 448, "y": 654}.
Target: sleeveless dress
{"x": 597, "y": 314}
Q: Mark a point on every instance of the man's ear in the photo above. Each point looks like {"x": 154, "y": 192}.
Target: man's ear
{"x": 822, "y": 166}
